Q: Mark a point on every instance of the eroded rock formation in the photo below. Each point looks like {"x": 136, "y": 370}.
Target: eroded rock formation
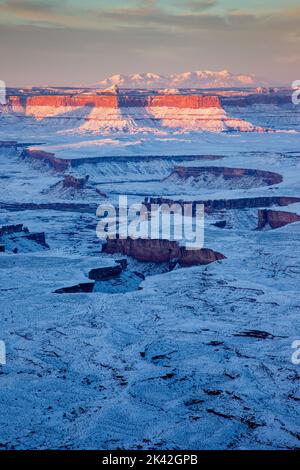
{"x": 161, "y": 251}
{"x": 70, "y": 181}
{"x": 48, "y": 158}
{"x": 275, "y": 219}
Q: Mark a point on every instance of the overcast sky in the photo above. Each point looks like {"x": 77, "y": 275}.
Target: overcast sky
{"x": 66, "y": 42}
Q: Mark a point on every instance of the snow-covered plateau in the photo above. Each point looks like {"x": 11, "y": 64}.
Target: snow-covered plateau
{"x": 148, "y": 354}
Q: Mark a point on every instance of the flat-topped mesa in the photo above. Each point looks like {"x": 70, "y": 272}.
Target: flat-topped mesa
{"x": 95, "y": 112}
{"x": 58, "y": 101}
{"x": 275, "y": 219}
{"x": 161, "y": 251}
{"x": 18, "y": 103}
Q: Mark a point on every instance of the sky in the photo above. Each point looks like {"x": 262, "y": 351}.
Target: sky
{"x": 71, "y": 42}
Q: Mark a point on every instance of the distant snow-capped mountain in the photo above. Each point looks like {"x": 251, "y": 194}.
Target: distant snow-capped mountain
{"x": 196, "y": 79}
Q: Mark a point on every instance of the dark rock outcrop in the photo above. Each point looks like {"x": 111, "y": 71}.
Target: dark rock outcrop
{"x": 258, "y": 334}
{"x": 78, "y": 288}
{"x": 18, "y": 232}
{"x": 105, "y": 273}
{"x": 2, "y": 248}
{"x": 38, "y": 237}
{"x": 220, "y": 224}
{"x": 10, "y": 229}
{"x": 276, "y": 219}
{"x": 160, "y": 251}
{"x": 123, "y": 263}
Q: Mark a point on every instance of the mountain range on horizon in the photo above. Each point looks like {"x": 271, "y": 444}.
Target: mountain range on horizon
{"x": 193, "y": 79}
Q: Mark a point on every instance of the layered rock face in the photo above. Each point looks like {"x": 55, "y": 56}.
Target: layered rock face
{"x": 66, "y": 106}
{"x": 212, "y": 176}
{"x": 161, "y": 251}
{"x": 95, "y": 113}
{"x": 112, "y": 101}
{"x": 190, "y": 102}
{"x": 57, "y": 101}
{"x": 276, "y": 219}
{"x": 212, "y": 205}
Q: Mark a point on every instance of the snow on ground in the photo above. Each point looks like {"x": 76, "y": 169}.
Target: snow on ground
{"x": 177, "y": 364}
{"x": 167, "y": 366}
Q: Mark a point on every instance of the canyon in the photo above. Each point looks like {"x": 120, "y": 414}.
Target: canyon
{"x": 104, "y": 338}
